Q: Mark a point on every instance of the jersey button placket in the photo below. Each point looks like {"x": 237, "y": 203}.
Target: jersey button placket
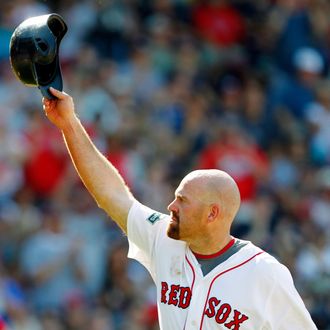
{"x": 197, "y": 304}
{"x": 194, "y": 324}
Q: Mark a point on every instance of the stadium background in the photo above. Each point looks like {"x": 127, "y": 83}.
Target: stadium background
{"x": 164, "y": 87}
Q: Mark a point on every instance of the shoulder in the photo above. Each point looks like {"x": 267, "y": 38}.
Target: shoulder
{"x": 272, "y": 270}
{"x": 143, "y": 212}
{"x": 145, "y": 224}
{"x": 266, "y": 264}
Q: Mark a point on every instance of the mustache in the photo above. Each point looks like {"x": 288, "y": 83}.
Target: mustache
{"x": 175, "y": 216}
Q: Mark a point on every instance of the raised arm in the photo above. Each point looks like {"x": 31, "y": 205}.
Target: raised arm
{"x": 99, "y": 176}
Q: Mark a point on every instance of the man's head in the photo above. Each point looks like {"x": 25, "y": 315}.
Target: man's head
{"x": 205, "y": 203}
{"x": 309, "y": 65}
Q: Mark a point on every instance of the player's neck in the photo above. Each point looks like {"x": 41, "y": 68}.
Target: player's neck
{"x": 208, "y": 246}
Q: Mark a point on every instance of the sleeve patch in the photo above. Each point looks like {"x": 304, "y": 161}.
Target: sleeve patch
{"x": 154, "y": 217}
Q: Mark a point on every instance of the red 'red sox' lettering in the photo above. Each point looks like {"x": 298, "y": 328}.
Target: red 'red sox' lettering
{"x": 222, "y": 313}
{"x": 178, "y": 295}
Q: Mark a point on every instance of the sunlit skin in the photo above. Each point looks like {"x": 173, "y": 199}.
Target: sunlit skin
{"x": 204, "y": 207}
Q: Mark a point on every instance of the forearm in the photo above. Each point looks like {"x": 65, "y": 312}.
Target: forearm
{"x": 99, "y": 176}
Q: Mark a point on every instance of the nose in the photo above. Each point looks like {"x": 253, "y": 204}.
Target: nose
{"x": 172, "y": 207}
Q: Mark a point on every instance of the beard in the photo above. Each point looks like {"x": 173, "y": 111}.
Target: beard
{"x": 173, "y": 229}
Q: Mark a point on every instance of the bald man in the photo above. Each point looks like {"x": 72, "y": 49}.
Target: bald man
{"x": 205, "y": 278}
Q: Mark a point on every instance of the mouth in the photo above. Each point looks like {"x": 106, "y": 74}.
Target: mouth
{"x": 173, "y": 230}
{"x": 174, "y": 218}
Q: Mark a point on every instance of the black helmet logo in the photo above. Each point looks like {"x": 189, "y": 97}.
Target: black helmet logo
{"x": 34, "y": 52}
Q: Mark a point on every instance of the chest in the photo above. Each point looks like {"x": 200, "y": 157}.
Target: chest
{"x": 224, "y": 298}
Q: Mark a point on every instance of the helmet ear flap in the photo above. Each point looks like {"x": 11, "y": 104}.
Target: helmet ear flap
{"x": 57, "y": 26}
{"x": 34, "y": 52}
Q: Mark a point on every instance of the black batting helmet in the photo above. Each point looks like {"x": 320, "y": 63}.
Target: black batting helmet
{"x": 34, "y": 48}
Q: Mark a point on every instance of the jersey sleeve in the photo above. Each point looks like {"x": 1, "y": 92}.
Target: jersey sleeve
{"x": 285, "y": 310}
{"x": 144, "y": 227}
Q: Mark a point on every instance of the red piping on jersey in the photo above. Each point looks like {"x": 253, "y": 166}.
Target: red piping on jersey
{"x": 225, "y": 271}
{"x": 217, "y": 254}
{"x": 192, "y": 284}
{"x": 194, "y": 276}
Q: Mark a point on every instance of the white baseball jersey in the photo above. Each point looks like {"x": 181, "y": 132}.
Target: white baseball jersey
{"x": 250, "y": 290}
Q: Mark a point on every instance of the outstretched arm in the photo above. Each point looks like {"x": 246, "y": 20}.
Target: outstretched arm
{"x": 99, "y": 176}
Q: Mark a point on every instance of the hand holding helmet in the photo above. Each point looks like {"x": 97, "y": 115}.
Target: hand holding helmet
{"x": 60, "y": 109}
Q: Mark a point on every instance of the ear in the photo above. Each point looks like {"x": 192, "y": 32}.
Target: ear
{"x": 214, "y": 212}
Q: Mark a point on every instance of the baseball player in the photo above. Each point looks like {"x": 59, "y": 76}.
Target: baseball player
{"x": 205, "y": 278}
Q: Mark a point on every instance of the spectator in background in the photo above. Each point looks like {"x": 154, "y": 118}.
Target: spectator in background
{"x": 46, "y": 163}
{"x": 254, "y": 112}
{"x": 115, "y": 23}
{"x": 120, "y": 295}
{"x": 230, "y": 97}
{"x": 234, "y": 152}
{"x": 20, "y": 315}
{"x": 85, "y": 224}
{"x": 161, "y": 46}
{"x": 12, "y": 157}
{"x": 219, "y": 22}
{"x": 120, "y": 151}
{"x": 52, "y": 321}
{"x": 100, "y": 320}
{"x": 319, "y": 206}
{"x": 22, "y": 9}
{"x": 157, "y": 187}
{"x": 99, "y": 111}
{"x": 143, "y": 75}
{"x": 222, "y": 30}
{"x": 308, "y": 65}
{"x": 49, "y": 264}
{"x": 80, "y": 16}
{"x": 313, "y": 262}
{"x": 317, "y": 116}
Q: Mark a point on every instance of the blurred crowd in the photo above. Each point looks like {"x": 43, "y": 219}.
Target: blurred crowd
{"x": 164, "y": 87}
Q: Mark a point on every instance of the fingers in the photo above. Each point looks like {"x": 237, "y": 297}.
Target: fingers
{"x": 62, "y": 102}
{"x": 57, "y": 93}
{"x": 46, "y": 103}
